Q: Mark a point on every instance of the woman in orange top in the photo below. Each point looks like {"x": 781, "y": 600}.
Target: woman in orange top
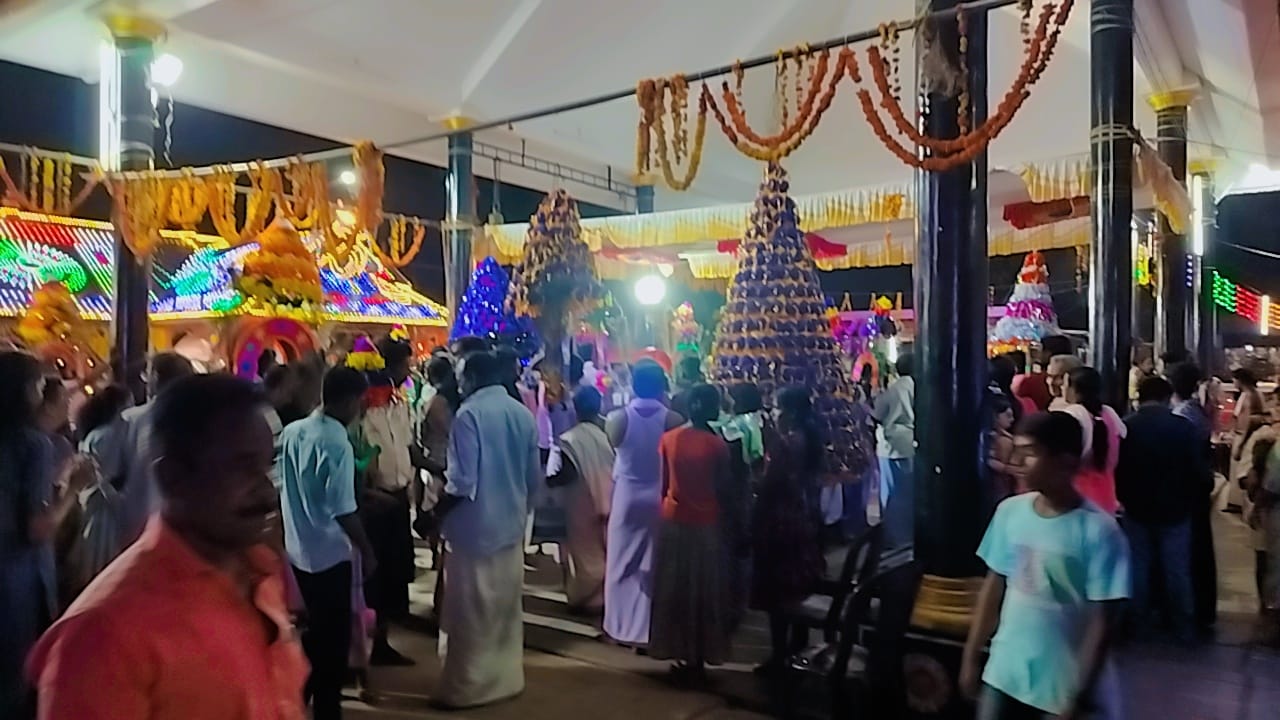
{"x": 689, "y": 624}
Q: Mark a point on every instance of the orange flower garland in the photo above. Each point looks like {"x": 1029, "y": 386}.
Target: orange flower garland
{"x": 772, "y": 153}
{"x": 368, "y": 161}
{"x": 307, "y": 194}
{"x": 188, "y": 201}
{"x": 220, "y": 191}
{"x": 397, "y": 255}
{"x": 733, "y": 105}
{"x": 651, "y": 140}
{"x": 950, "y": 153}
{"x": 943, "y": 154}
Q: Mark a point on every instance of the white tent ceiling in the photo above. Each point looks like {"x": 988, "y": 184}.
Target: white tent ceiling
{"x": 389, "y": 70}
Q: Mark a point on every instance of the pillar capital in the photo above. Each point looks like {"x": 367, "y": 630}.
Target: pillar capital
{"x": 126, "y": 24}
{"x": 457, "y": 122}
{"x": 1203, "y": 166}
{"x": 643, "y": 179}
{"x": 1169, "y": 99}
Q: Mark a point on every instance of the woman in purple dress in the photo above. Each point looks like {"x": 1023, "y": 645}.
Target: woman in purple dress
{"x": 634, "y": 431}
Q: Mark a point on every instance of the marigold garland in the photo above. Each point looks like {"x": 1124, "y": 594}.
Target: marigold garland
{"x": 141, "y": 210}
{"x": 732, "y": 103}
{"x": 47, "y": 186}
{"x": 372, "y": 174}
{"x": 943, "y": 154}
{"x": 397, "y": 255}
{"x": 189, "y": 200}
{"x": 782, "y": 150}
{"x": 63, "y": 206}
{"x": 220, "y": 200}
{"x": 950, "y": 153}
{"x": 658, "y": 99}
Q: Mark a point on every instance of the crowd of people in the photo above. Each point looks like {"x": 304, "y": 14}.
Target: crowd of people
{"x": 223, "y": 513}
{"x": 185, "y": 538}
{"x": 1103, "y": 526}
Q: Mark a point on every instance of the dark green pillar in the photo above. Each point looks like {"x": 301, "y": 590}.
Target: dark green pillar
{"x": 461, "y": 219}
{"x": 951, "y": 294}
{"x": 1111, "y": 149}
{"x": 644, "y": 198}
{"x": 135, "y": 118}
{"x": 1176, "y": 275}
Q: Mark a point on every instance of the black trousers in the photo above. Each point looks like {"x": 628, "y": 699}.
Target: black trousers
{"x": 386, "y": 520}
{"x": 1204, "y": 566}
{"x": 327, "y": 636}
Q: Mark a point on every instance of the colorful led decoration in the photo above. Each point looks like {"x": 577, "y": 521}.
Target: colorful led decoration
{"x": 189, "y": 279}
{"x": 1240, "y": 300}
{"x": 483, "y": 311}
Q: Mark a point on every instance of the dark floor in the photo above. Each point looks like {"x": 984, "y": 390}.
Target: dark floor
{"x": 1231, "y": 678}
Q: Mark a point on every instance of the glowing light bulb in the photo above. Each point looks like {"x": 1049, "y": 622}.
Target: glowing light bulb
{"x": 650, "y": 289}
{"x": 166, "y": 69}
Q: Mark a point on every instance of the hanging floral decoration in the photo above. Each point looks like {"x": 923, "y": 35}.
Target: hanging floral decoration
{"x": 659, "y": 99}
{"x": 797, "y": 125}
{"x": 805, "y": 87}
{"x": 400, "y": 249}
{"x": 48, "y": 185}
{"x": 297, "y": 192}
{"x": 943, "y": 154}
{"x": 141, "y": 211}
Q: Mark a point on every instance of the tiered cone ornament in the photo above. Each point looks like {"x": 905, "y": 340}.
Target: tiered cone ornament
{"x": 484, "y": 311}
{"x": 282, "y": 274}
{"x": 773, "y": 330}
{"x": 1029, "y": 316}
{"x": 556, "y": 279}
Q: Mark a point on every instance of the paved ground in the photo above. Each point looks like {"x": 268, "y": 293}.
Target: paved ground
{"x": 571, "y": 671}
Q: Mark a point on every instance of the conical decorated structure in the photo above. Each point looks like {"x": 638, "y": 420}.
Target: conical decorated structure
{"x": 484, "y": 312}
{"x": 773, "y": 330}
{"x": 1029, "y": 316}
{"x": 556, "y": 278}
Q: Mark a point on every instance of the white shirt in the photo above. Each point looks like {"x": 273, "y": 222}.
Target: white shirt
{"x": 896, "y": 414}
{"x": 390, "y": 427}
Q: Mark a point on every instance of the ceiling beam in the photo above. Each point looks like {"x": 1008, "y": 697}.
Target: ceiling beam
{"x": 496, "y": 49}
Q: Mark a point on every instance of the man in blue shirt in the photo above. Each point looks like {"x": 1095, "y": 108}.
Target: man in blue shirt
{"x": 318, "y": 506}
{"x": 493, "y": 470}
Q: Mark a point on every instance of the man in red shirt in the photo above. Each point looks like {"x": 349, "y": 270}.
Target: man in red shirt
{"x": 190, "y": 622}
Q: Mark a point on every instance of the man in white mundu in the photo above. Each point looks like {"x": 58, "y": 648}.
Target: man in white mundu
{"x": 493, "y": 470}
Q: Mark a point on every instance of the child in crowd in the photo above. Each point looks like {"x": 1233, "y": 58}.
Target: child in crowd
{"x": 1002, "y": 477}
{"x": 1057, "y": 568}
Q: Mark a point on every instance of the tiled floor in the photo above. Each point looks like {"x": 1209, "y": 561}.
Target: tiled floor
{"x": 569, "y": 667}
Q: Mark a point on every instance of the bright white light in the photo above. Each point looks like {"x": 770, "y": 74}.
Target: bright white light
{"x": 347, "y": 177}
{"x": 1264, "y": 315}
{"x": 165, "y": 70}
{"x": 108, "y": 107}
{"x": 893, "y": 350}
{"x": 1257, "y": 179}
{"x": 1197, "y": 215}
{"x": 1248, "y": 348}
{"x": 650, "y": 289}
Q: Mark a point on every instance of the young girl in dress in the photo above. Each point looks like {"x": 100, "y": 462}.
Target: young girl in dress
{"x": 1002, "y": 476}
{"x": 689, "y": 624}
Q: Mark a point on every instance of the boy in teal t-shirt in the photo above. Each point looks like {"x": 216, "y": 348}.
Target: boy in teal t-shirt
{"x": 1058, "y": 567}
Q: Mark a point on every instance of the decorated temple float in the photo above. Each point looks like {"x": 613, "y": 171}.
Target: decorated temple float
{"x": 219, "y": 305}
